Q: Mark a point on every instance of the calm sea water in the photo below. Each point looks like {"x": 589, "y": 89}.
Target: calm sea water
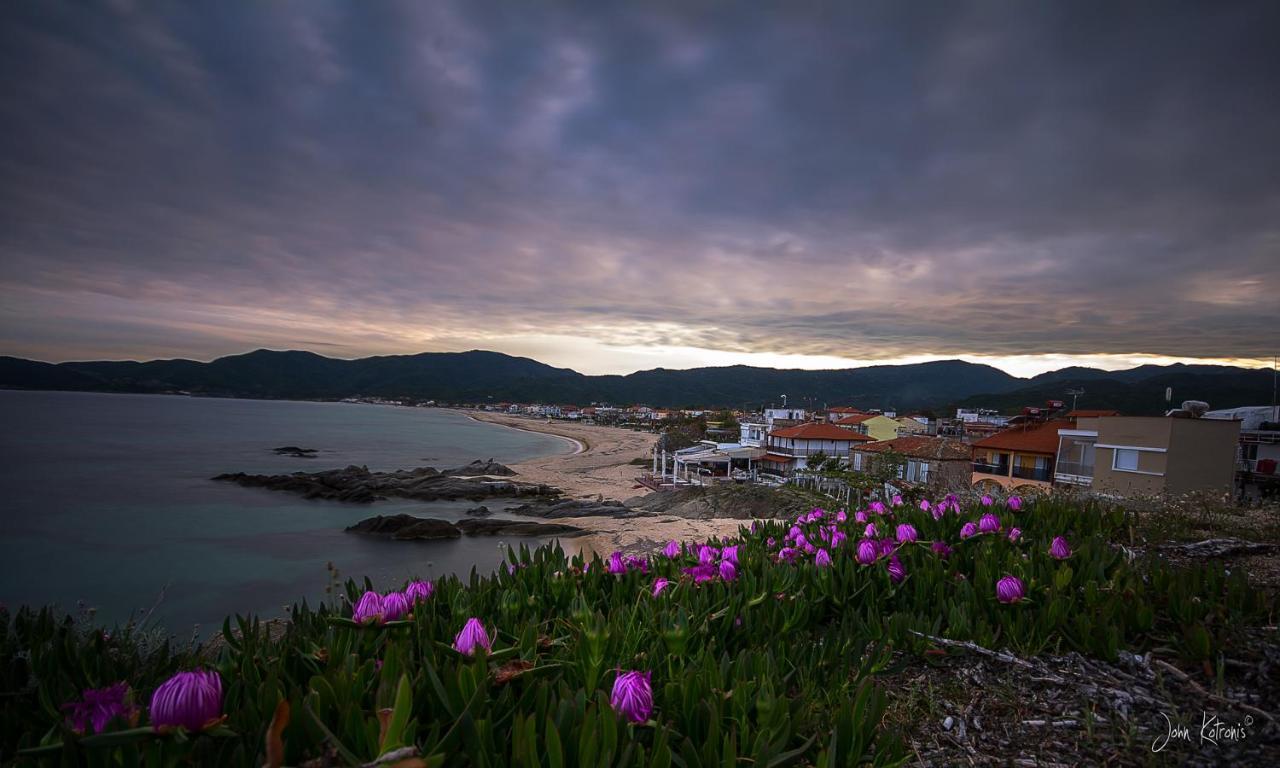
{"x": 106, "y": 500}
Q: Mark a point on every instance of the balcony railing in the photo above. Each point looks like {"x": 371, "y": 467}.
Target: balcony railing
{"x": 1076, "y": 468}
{"x": 778, "y": 449}
{"x": 1043, "y": 474}
{"x": 991, "y": 469}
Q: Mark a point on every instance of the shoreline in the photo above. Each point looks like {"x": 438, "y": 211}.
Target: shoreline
{"x": 579, "y": 445}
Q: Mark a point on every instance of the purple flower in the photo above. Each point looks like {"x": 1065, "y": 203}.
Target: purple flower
{"x": 939, "y": 511}
{"x": 906, "y": 533}
{"x": 809, "y": 548}
{"x": 98, "y": 707}
{"x": 801, "y": 541}
{"x": 1015, "y": 534}
{"x": 368, "y": 610}
{"x": 672, "y": 549}
{"x": 878, "y": 507}
{"x": 988, "y": 524}
{"x": 816, "y": 514}
{"x": 614, "y": 564}
{"x": 659, "y": 585}
{"x": 702, "y": 572}
{"x": 632, "y": 696}
{"x": 190, "y": 700}
{"x": 771, "y": 542}
{"x": 472, "y": 637}
{"x": 860, "y": 517}
{"x": 395, "y": 606}
{"x": 794, "y": 532}
{"x": 942, "y": 550}
{"x": 707, "y": 554}
{"x": 896, "y": 572}
{"x": 897, "y": 500}
{"x": 841, "y": 516}
{"x": 870, "y": 531}
{"x": 837, "y": 538}
{"x": 788, "y": 554}
{"x": 636, "y": 563}
{"x": 1059, "y": 549}
{"x": 1010, "y": 590}
{"x": 822, "y": 559}
{"x": 968, "y": 530}
{"x": 868, "y": 551}
{"x": 924, "y": 505}
{"x": 987, "y": 500}
{"x": 419, "y": 590}
{"x": 728, "y": 571}
{"x": 1014, "y": 503}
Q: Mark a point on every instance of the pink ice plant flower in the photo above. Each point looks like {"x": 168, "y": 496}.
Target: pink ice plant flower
{"x": 968, "y": 530}
{"x": 906, "y": 533}
{"x": 728, "y": 571}
{"x": 822, "y": 559}
{"x": 97, "y": 707}
{"x": 987, "y": 500}
{"x": 860, "y": 517}
{"x": 1059, "y": 549}
{"x": 419, "y": 590}
{"x": 924, "y": 505}
{"x": 871, "y": 531}
{"x": 868, "y": 551}
{"x": 1009, "y": 589}
{"x": 1014, "y": 503}
{"x": 988, "y": 524}
{"x": 395, "y": 606}
{"x": 896, "y": 572}
{"x": 614, "y": 564}
{"x": 188, "y": 700}
{"x": 896, "y": 500}
{"x": 368, "y": 609}
{"x": 659, "y": 585}
{"x": 841, "y": 516}
{"x": 941, "y": 549}
{"x": 632, "y": 696}
{"x": 472, "y": 638}
{"x": 672, "y": 550}
{"x": 1015, "y": 534}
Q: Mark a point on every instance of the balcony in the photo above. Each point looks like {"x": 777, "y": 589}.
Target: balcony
{"x": 991, "y": 469}
{"x": 1079, "y": 472}
{"x": 1042, "y": 474}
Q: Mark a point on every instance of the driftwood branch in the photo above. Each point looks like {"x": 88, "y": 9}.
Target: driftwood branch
{"x": 1007, "y": 658}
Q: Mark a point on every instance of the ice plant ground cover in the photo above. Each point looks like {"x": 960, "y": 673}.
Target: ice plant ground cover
{"x": 772, "y": 649}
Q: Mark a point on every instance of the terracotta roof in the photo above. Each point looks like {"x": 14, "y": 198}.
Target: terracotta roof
{"x": 919, "y": 447}
{"x": 777, "y": 459}
{"x": 816, "y": 430}
{"x": 843, "y": 409}
{"x": 858, "y": 419}
{"x": 1087, "y": 414}
{"x": 1038, "y": 437}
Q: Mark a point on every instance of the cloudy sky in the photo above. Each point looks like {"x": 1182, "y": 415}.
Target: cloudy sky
{"x": 616, "y": 187}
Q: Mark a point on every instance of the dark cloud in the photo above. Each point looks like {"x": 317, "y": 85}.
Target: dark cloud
{"x": 869, "y": 180}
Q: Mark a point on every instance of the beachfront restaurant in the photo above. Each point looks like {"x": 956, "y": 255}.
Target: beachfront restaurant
{"x": 709, "y": 461}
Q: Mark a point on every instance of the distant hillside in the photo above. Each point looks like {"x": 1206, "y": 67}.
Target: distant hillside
{"x": 478, "y": 376}
{"x": 1137, "y": 391}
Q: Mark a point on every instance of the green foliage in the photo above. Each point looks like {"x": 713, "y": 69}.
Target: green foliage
{"x": 777, "y": 667}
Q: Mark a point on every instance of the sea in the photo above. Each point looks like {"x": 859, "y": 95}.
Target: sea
{"x": 107, "y": 509}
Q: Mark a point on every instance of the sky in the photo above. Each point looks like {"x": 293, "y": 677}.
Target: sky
{"x": 621, "y": 186}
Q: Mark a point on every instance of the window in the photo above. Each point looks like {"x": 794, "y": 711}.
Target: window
{"x": 857, "y": 461}
{"x": 1125, "y": 460}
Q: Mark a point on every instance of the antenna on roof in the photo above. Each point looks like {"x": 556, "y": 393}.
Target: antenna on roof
{"x": 1075, "y": 394}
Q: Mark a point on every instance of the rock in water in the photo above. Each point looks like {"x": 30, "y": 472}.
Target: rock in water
{"x": 295, "y": 451}
{"x": 479, "y": 467}
{"x": 358, "y": 484}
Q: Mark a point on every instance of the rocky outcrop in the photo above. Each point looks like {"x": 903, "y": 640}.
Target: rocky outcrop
{"x": 579, "y": 508}
{"x": 359, "y": 485}
{"x": 480, "y": 511}
{"x": 295, "y": 451}
{"x": 478, "y": 467}
{"x": 737, "y": 502}
{"x": 404, "y": 527}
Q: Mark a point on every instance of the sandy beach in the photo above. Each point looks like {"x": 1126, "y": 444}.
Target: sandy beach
{"x": 602, "y": 468}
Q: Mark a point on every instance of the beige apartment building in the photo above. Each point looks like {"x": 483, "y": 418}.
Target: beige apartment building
{"x": 1139, "y": 455}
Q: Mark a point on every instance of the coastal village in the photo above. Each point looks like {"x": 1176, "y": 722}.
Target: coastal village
{"x": 1044, "y": 447}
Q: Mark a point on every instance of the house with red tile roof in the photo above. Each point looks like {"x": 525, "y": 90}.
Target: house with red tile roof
{"x": 877, "y": 425}
{"x": 788, "y": 448}
{"x": 935, "y": 462}
{"x": 1020, "y": 458}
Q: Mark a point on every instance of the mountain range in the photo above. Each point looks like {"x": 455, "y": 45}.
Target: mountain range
{"x": 479, "y": 377}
